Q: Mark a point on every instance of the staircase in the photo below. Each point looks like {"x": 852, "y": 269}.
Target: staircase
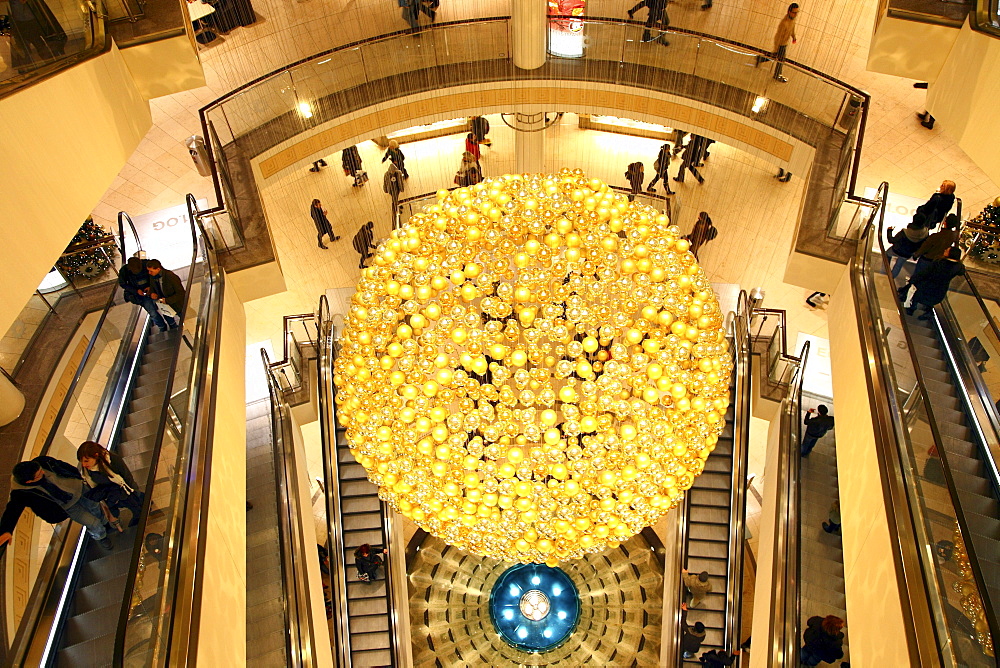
{"x": 708, "y": 521}
{"x": 821, "y": 555}
{"x": 88, "y": 637}
{"x": 360, "y": 523}
{"x": 266, "y": 630}
{"x": 976, "y": 494}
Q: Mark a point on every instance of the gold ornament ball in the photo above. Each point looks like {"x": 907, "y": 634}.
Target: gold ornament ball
{"x": 533, "y": 368}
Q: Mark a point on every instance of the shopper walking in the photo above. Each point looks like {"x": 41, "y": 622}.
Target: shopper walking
{"x": 469, "y": 172}
{"x": 703, "y": 232}
{"x": 136, "y": 283}
{"x": 167, "y": 290}
{"x": 392, "y": 185}
{"x": 54, "y": 491}
{"x": 823, "y": 640}
{"x": 411, "y": 10}
{"x": 939, "y": 205}
{"x": 906, "y": 242}
{"x": 662, "y": 168}
{"x": 718, "y": 658}
{"x": 367, "y": 562}
{"x": 322, "y": 223}
{"x": 691, "y": 636}
{"x": 784, "y": 34}
{"x": 936, "y": 245}
{"x": 395, "y": 155}
{"x": 472, "y": 146}
{"x": 364, "y": 242}
{"x": 832, "y": 525}
{"x": 688, "y": 162}
{"x": 635, "y": 174}
{"x": 109, "y": 481}
{"x": 480, "y": 127}
{"x": 350, "y": 160}
{"x": 816, "y": 427}
{"x": 932, "y": 282}
{"x": 698, "y": 587}
{"x": 656, "y": 19}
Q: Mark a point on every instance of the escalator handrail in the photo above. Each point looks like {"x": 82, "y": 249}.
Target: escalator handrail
{"x": 198, "y": 414}
{"x": 922, "y": 633}
{"x": 738, "y": 486}
{"x": 300, "y": 639}
{"x": 331, "y": 472}
{"x": 963, "y": 522}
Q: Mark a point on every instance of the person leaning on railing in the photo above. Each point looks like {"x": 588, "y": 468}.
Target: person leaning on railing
{"x": 34, "y": 26}
{"x": 167, "y": 289}
{"x": 54, "y": 491}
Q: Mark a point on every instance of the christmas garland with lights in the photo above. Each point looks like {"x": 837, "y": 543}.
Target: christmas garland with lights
{"x": 981, "y": 235}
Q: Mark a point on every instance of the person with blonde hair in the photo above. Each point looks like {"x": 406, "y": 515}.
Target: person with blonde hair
{"x": 109, "y": 481}
{"x": 939, "y": 204}
{"x": 395, "y": 155}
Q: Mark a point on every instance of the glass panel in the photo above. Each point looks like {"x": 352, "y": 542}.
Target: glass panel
{"x": 935, "y": 518}
{"x": 151, "y": 605}
{"x": 44, "y": 33}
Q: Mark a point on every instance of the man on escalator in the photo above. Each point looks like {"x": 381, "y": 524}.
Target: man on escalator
{"x": 167, "y": 289}
{"x": 53, "y": 490}
{"x": 135, "y": 280}
{"x": 816, "y": 427}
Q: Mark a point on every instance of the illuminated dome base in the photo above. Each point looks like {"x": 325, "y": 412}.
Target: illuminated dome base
{"x": 534, "y": 607}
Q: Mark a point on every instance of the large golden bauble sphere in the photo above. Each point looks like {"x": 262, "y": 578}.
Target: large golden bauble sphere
{"x": 533, "y": 368}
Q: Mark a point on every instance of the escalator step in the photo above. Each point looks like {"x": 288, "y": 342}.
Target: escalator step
{"x": 369, "y": 641}
{"x": 710, "y": 564}
{"x": 155, "y": 366}
{"x": 935, "y": 388}
{"x": 357, "y": 538}
{"x": 141, "y": 430}
{"x": 362, "y": 522}
{"x": 698, "y": 548}
{"x": 138, "y": 446}
{"x": 709, "y": 497}
{"x": 712, "y": 480}
{"x": 99, "y": 595}
{"x": 968, "y": 484}
{"x": 375, "y": 658}
{"x": 352, "y": 472}
{"x": 710, "y": 532}
{"x": 370, "y": 624}
{"x": 93, "y": 624}
{"x": 360, "y": 504}
{"x": 93, "y": 652}
{"x": 704, "y": 514}
{"x": 366, "y": 606}
{"x": 719, "y": 464}
{"x": 142, "y": 403}
{"x": 349, "y": 488}
{"x": 143, "y": 416}
{"x": 944, "y": 415}
{"x": 965, "y": 465}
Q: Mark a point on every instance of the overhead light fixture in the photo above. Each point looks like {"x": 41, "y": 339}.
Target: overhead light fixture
{"x": 533, "y": 368}
{"x": 759, "y": 104}
{"x": 305, "y": 110}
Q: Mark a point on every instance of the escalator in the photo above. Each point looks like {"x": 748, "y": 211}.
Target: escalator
{"x": 364, "y": 612}
{"x": 937, "y": 439}
{"x": 713, "y": 528}
{"x": 88, "y": 637}
{"x": 149, "y": 396}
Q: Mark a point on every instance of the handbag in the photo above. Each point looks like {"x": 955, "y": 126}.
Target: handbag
{"x": 166, "y": 310}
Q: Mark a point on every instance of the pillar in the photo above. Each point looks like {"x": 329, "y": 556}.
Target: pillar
{"x": 11, "y": 401}
{"x": 529, "y": 143}
{"x": 529, "y": 23}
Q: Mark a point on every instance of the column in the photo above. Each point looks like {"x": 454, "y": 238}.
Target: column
{"x": 529, "y": 143}
{"x": 529, "y": 23}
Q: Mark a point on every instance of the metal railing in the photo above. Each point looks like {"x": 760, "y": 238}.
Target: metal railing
{"x": 933, "y": 631}
{"x": 783, "y": 645}
{"x": 300, "y": 638}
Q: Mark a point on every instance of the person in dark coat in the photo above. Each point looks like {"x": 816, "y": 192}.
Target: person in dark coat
{"x": 662, "y": 168}
{"x": 350, "y": 159}
{"x": 691, "y": 636}
{"x": 823, "y": 640}
{"x": 656, "y": 18}
{"x": 108, "y": 479}
{"x": 635, "y": 174}
{"x": 936, "y": 245}
{"x": 937, "y": 207}
{"x": 396, "y": 157}
{"x": 54, "y": 491}
{"x": 688, "y": 161}
{"x": 392, "y": 185}
{"x": 718, "y": 658}
{"x": 932, "y": 282}
{"x": 368, "y": 562}
{"x": 322, "y": 223}
{"x": 34, "y": 26}
{"x": 816, "y": 427}
{"x": 167, "y": 288}
{"x": 906, "y": 242}
{"x": 703, "y": 232}
{"x": 480, "y": 127}
{"x": 136, "y": 283}
{"x": 364, "y": 242}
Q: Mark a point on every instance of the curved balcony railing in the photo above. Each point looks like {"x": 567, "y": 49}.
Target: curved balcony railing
{"x": 313, "y": 94}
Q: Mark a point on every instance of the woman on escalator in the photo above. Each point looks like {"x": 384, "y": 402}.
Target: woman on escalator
{"x": 109, "y": 482}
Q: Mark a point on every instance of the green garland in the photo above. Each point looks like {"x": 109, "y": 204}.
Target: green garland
{"x": 84, "y": 257}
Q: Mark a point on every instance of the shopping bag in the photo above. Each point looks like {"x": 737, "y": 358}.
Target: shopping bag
{"x": 166, "y": 310}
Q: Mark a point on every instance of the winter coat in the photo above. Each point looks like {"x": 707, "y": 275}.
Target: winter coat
{"x": 699, "y": 590}
{"x": 635, "y": 175}
{"x": 392, "y": 183}
{"x": 116, "y": 490}
{"x": 932, "y": 281}
{"x": 937, "y": 207}
{"x": 395, "y": 156}
{"x": 908, "y": 240}
{"x": 134, "y": 284}
{"x": 350, "y": 160}
{"x": 480, "y": 127}
{"x": 62, "y": 474}
{"x": 367, "y": 564}
{"x": 936, "y": 245}
{"x": 820, "y": 643}
{"x": 690, "y": 639}
{"x": 817, "y": 425}
{"x": 168, "y": 286}
{"x": 320, "y": 220}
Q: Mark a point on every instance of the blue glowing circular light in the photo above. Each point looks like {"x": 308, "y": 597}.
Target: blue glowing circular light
{"x": 526, "y": 612}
